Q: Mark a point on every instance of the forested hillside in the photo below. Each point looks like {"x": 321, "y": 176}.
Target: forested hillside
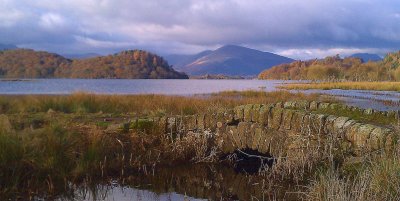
{"x": 336, "y": 68}
{"x": 133, "y": 64}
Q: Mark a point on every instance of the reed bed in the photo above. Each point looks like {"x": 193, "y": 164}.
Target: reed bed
{"x": 141, "y": 104}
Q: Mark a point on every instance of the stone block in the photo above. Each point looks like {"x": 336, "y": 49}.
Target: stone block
{"x": 200, "y": 122}
{"x": 338, "y": 125}
{"x": 275, "y": 118}
{"x": 263, "y": 115}
{"x": 279, "y": 105}
{"x": 378, "y": 138}
{"x": 289, "y": 105}
{"x": 232, "y": 131}
{"x": 287, "y": 119}
{"x": 329, "y": 123}
{"x": 189, "y": 122}
{"x": 228, "y": 143}
{"x": 303, "y": 105}
{"x": 247, "y": 112}
{"x": 255, "y": 112}
{"x": 314, "y": 105}
{"x": 239, "y": 112}
{"x": 258, "y": 133}
{"x": 297, "y": 121}
{"x": 251, "y": 134}
{"x": 323, "y": 106}
{"x": 317, "y": 123}
{"x": 5, "y": 125}
{"x": 243, "y": 129}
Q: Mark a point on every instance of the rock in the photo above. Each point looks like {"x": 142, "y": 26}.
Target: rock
{"x": 200, "y": 122}
{"x": 171, "y": 125}
{"x": 258, "y": 133}
{"x": 314, "y": 105}
{"x": 287, "y": 119}
{"x": 243, "y": 130}
{"x": 189, "y": 122}
{"x": 317, "y": 123}
{"x": 360, "y": 136}
{"x": 369, "y": 111}
{"x": 334, "y": 106}
{"x": 52, "y": 112}
{"x": 229, "y": 116}
{"x": 239, "y": 112}
{"x": 247, "y": 112}
{"x": 162, "y": 124}
{"x": 303, "y": 105}
{"x": 279, "y": 105}
{"x": 378, "y": 138}
{"x": 5, "y": 124}
{"x": 263, "y": 115}
{"x": 251, "y": 134}
{"x": 323, "y": 106}
{"x": 297, "y": 122}
{"x": 275, "y": 118}
{"x": 255, "y": 112}
{"x": 391, "y": 141}
{"x": 289, "y": 105}
{"x": 329, "y": 124}
{"x": 228, "y": 142}
{"x": 233, "y": 132}
{"x": 338, "y": 125}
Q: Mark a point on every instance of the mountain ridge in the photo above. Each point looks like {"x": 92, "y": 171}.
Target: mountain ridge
{"x": 229, "y": 60}
{"x": 366, "y": 57}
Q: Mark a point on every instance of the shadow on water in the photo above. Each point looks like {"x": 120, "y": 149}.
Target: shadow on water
{"x": 186, "y": 182}
{"x": 250, "y": 161}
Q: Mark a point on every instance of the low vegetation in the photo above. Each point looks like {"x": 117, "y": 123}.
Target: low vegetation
{"x": 376, "y": 86}
{"x": 141, "y": 105}
{"x": 51, "y": 144}
{"x": 134, "y": 64}
{"x": 335, "y": 69}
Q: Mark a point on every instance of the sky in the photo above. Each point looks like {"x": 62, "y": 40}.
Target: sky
{"x": 300, "y": 29}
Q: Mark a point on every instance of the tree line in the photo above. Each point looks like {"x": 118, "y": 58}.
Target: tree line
{"x": 131, "y": 64}
{"x": 334, "y": 68}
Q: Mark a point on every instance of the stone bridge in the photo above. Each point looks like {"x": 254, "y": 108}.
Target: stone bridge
{"x": 285, "y": 129}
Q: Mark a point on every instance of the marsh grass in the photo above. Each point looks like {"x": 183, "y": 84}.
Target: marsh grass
{"x": 82, "y": 103}
{"x": 376, "y": 86}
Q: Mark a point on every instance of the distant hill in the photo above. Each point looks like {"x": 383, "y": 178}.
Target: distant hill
{"x": 365, "y": 57}
{"x": 7, "y": 47}
{"x": 132, "y": 64}
{"x": 335, "y": 68}
{"x": 228, "y": 60}
{"x": 81, "y": 56}
{"x": 181, "y": 60}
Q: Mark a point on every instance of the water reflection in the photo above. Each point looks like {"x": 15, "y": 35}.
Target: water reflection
{"x": 187, "y": 182}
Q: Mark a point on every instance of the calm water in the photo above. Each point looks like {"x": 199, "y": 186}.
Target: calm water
{"x": 187, "y": 182}
{"x": 121, "y": 86}
{"x": 364, "y": 99}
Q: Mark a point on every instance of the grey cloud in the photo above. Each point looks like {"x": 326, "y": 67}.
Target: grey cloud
{"x": 192, "y": 25}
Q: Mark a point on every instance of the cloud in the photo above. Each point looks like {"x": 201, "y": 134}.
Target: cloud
{"x": 289, "y": 26}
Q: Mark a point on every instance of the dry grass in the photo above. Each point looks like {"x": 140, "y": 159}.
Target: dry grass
{"x": 377, "y": 86}
{"x": 142, "y": 104}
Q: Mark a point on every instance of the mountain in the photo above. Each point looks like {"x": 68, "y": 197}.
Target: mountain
{"x": 181, "y": 60}
{"x": 81, "y": 56}
{"x": 132, "y": 64}
{"x": 7, "y": 47}
{"x": 367, "y": 57}
{"x": 227, "y": 60}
